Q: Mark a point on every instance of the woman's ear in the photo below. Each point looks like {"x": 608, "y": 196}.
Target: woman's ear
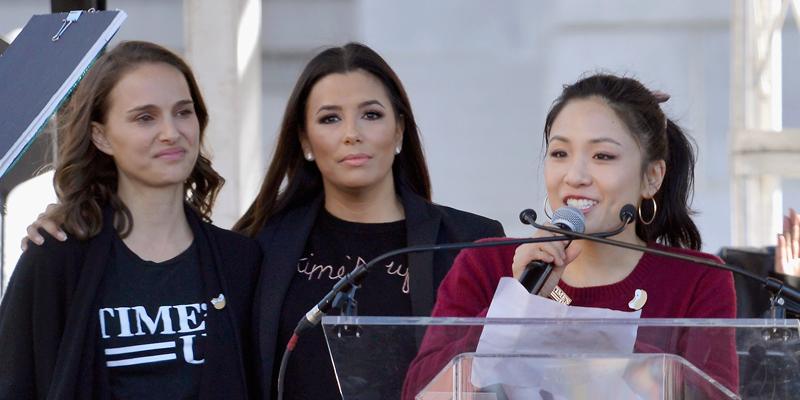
{"x": 653, "y": 178}
{"x": 99, "y": 139}
{"x": 401, "y": 124}
{"x": 306, "y": 147}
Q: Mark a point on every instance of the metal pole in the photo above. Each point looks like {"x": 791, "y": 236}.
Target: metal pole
{"x": 3, "y": 197}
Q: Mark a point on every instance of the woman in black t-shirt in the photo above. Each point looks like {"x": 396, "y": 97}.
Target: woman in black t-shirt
{"x": 146, "y": 299}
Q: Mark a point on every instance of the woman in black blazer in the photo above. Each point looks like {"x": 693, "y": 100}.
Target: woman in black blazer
{"x": 348, "y": 182}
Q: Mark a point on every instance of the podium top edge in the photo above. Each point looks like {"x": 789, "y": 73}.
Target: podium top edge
{"x": 641, "y": 322}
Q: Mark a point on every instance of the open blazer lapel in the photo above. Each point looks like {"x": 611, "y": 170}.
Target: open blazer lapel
{"x": 282, "y": 241}
{"x": 422, "y": 228}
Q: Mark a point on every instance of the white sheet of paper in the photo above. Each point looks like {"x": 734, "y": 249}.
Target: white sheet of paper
{"x": 522, "y": 377}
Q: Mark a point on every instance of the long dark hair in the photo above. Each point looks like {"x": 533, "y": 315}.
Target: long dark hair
{"x": 85, "y": 178}
{"x": 302, "y": 179}
{"x": 659, "y": 138}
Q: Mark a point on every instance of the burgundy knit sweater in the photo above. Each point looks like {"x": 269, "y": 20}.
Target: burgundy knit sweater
{"x": 675, "y": 288}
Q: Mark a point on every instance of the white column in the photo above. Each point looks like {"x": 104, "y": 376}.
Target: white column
{"x": 223, "y": 46}
{"x": 756, "y": 119}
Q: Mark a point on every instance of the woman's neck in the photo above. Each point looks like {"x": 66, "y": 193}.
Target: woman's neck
{"x": 599, "y": 264}
{"x": 372, "y": 205}
{"x": 160, "y": 229}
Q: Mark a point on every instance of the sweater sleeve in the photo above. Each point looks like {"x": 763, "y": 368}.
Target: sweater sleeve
{"x": 17, "y": 374}
{"x": 714, "y": 295}
{"x": 466, "y": 291}
{"x": 714, "y": 348}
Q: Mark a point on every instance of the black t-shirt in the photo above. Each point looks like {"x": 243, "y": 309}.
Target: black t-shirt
{"x": 152, "y": 325}
{"x": 334, "y": 248}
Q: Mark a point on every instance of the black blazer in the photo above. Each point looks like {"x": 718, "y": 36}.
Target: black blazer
{"x": 49, "y": 324}
{"x": 284, "y": 237}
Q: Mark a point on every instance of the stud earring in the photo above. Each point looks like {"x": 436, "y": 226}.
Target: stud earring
{"x": 397, "y": 150}
{"x": 309, "y": 156}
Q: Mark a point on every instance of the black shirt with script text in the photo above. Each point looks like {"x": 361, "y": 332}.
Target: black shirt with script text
{"x": 334, "y": 248}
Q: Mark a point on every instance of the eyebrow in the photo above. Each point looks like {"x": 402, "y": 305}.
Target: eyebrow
{"x": 593, "y": 141}
{"x": 360, "y": 105}
{"x": 150, "y": 106}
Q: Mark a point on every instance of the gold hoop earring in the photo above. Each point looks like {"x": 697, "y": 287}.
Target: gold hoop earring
{"x": 544, "y": 208}
{"x": 655, "y": 209}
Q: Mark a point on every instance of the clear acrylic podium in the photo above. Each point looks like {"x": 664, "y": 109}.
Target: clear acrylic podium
{"x": 488, "y": 359}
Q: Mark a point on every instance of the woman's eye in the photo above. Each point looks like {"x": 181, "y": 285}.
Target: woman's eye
{"x": 144, "y": 118}
{"x": 371, "y": 115}
{"x": 185, "y": 113}
{"x": 605, "y": 157}
{"x": 328, "y": 119}
{"x": 558, "y": 154}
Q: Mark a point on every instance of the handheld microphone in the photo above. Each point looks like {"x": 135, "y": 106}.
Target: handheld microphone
{"x": 536, "y": 272}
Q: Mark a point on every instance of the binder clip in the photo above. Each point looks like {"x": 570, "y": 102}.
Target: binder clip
{"x": 71, "y": 17}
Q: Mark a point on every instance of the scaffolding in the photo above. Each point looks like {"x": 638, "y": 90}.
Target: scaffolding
{"x": 763, "y": 153}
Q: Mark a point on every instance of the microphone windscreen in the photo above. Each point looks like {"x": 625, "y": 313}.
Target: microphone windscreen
{"x": 569, "y": 218}
{"x": 527, "y": 216}
{"x": 627, "y": 213}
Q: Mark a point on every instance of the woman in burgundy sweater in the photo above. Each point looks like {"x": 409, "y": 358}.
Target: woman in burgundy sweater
{"x": 608, "y": 143}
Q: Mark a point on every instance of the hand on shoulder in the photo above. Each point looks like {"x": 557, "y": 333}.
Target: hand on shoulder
{"x": 46, "y": 223}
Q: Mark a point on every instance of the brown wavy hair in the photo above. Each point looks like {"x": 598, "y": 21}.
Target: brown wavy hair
{"x": 291, "y": 179}
{"x": 85, "y": 178}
